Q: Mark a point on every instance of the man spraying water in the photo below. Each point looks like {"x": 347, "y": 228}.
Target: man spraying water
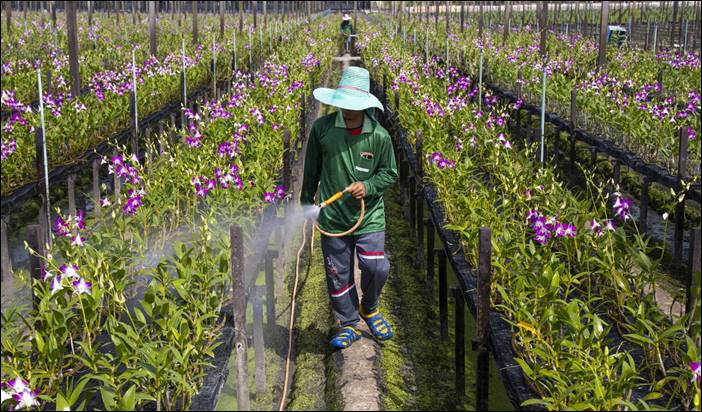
{"x": 350, "y": 151}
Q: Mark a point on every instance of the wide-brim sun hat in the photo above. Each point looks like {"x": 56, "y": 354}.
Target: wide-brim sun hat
{"x": 352, "y": 93}
{"x": 346, "y": 17}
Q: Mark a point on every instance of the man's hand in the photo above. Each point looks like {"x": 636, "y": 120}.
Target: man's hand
{"x": 357, "y": 190}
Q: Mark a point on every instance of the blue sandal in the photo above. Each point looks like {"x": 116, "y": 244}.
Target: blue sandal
{"x": 346, "y": 336}
{"x": 377, "y": 325}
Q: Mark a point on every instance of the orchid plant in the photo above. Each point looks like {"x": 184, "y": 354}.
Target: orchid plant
{"x": 128, "y": 310}
{"x": 566, "y": 274}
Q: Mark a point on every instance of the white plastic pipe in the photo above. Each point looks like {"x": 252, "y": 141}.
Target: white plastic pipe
{"x": 480, "y": 79}
{"x": 46, "y": 159}
{"x": 134, "y": 89}
{"x": 185, "y": 78}
{"x": 543, "y": 111}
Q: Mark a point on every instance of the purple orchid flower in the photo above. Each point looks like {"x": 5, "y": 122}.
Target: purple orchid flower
{"x": 56, "y": 284}
{"x": 70, "y": 271}
{"x": 268, "y": 197}
{"x": 18, "y": 385}
{"x": 61, "y": 227}
{"x": 542, "y": 237}
{"x": 609, "y": 225}
{"x": 622, "y": 206}
{"x": 26, "y": 399}
{"x": 77, "y": 240}
{"x": 82, "y": 286}
{"x": 695, "y": 366}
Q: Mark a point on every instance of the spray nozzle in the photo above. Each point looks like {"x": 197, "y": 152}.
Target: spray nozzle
{"x": 333, "y": 198}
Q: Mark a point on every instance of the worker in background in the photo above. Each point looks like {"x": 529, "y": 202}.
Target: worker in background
{"x": 350, "y": 149}
{"x": 346, "y": 31}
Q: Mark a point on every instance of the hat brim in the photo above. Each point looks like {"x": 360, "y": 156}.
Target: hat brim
{"x": 347, "y": 99}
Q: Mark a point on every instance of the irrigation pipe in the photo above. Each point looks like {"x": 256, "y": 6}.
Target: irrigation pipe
{"x": 353, "y": 228}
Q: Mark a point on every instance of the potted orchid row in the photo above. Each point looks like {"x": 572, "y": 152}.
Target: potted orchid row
{"x": 623, "y": 102}
{"x": 104, "y": 45}
{"x": 565, "y": 273}
{"x": 129, "y": 303}
{"x": 75, "y": 125}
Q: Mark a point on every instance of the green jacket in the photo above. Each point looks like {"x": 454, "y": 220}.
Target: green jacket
{"x": 335, "y": 158}
{"x": 346, "y": 27}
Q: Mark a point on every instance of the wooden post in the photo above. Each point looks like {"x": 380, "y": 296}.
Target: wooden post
{"x": 480, "y": 342}
{"x": 648, "y": 32}
{"x": 5, "y": 256}
{"x": 286, "y": 159}
{"x": 259, "y": 349}
{"x": 8, "y": 16}
{"x": 680, "y": 206}
{"x": 436, "y": 16}
{"x": 463, "y": 3}
{"x": 193, "y": 10}
{"x": 544, "y": 28}
{"x": 448, "y": 25}
{"x": 593, "y": 157}
{"x": 280, "y": 244}
{"x": 72, "y": 31}
{"x": 161, "y": 139}
{"x": 673, "y": 23}
{"x": 520, "y": 79}
{"x": 255, "y": 10}
{"x": 71, "y": 183}
{"x": 221, "y": 20}
{"x": 152, "y": 28}
{"x": 571, "y": 125}
{"x": 420, "y": 199}
{"x": 303, "y": 116}
{"x": 412, "y": 208}
{"x": 508, "y": 16}
{"x": 460, "y": 344}
{"x": 96, "y": 186}
{"x": 480, "y": 23}
{"x": 693, "y": 269}
{"x": 270, "y": 288}
{"x": 134, "y": 14}
{"x": 616, "y": 171}
{"x": 404, "y": 178}
{"x": 37, "y": 243}
{"x": 91, "y": 6}
{"x": 659, "y": 79}
{"x": 603, "y": 35}
{"x": 241, "y": 16}
{"x": 430, "y": 257}
{"x": 53, "y": 15}
{"x": 236, "y": 237}
{"x": 643, "y": 208}
{"x": 443, "y": 298}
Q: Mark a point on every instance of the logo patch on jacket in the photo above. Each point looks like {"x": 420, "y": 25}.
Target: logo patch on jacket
{"x": 367, "y": 155}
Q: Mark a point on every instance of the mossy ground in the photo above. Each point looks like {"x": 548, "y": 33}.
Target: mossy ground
{"x": 308, "y": 318}
{"x": 313, "y": 383}
{"x": 417, "y": 367}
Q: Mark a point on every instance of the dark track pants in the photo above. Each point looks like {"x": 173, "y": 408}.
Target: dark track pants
{"x": 339, "y": 265}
